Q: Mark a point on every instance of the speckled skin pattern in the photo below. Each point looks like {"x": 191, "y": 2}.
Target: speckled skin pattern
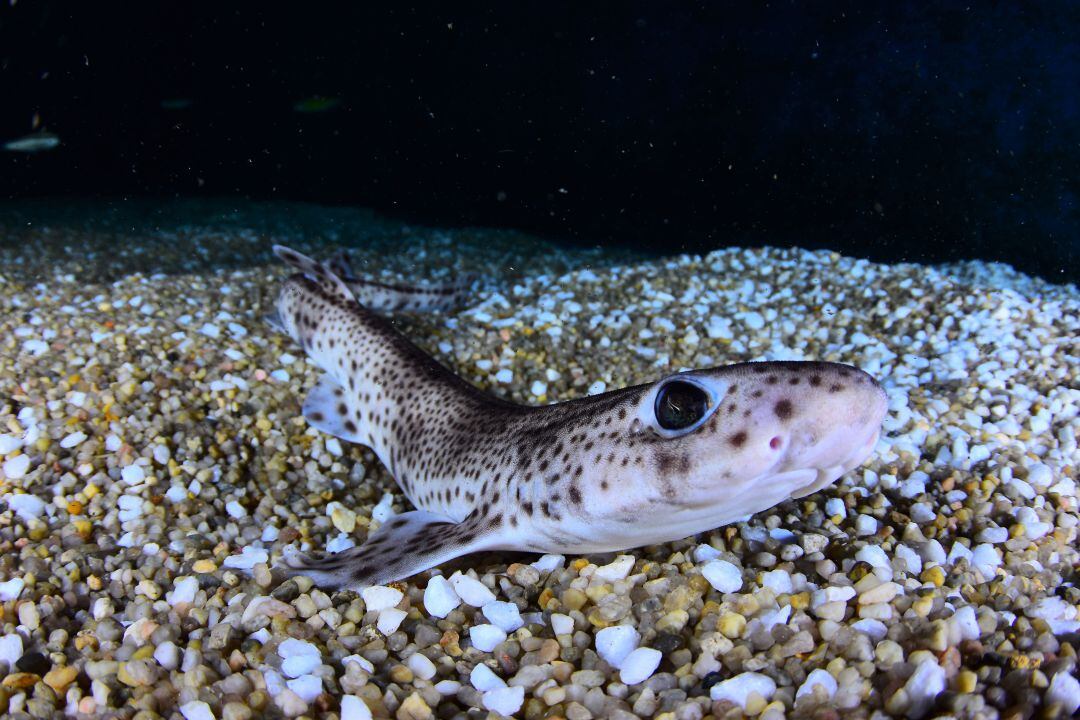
{"x": 595, "y": 474}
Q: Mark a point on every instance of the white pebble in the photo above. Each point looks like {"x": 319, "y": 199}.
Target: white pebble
{"x": 1064, "y": 689}
{"x": 298, "y": 665}
{"x": 613, "y": 644}
{"x": 548, "y": 563}
{"x": 383, "y": 510}
{"x": 910, "y": 558}
{"x": 779, "y": 581}
{"x": 875, "y": 629}
{"x": 639, "y": 665}
{"x": 380, "y": 597}
{"x": 439, "y": 597}
{"x": 291, "y": 647}
{"x": 333, "y": 446}
{"x": 470, "y": 590}
{"x": 723, "y": 576}
{"x": 176, "y": 494}
{"x": 597, "y": 387}
{"x": 617, "y": 569}
{"x": 235, "y": 509}
{"x": 248, "y": 558}
{"x": 360, "y": 660}
{"x": 35, "y": 347}
{"x": 986, "y": 560}
{"x": 280, "y": 375}
{"x": 873, "y": 555}
{"x": 484, "y": 679}
{"x": 486, "y": 637}
{"x": 162, "y": 454}
{"x": 353, "y": 708}
{"x": 993, "y": 534}
{"x": 737, "y": 689}
{"x": 72, "y": 440}
{"x": 924, "y": 685}
{"x": 307, "y": 687}
{"x": 866, "y": 525}
{"x": 167, "y": 655}
{"x": 965, "y": 623}
{"x": 421, "y": 666}
{"x": 835, "y": 506}
{"x": 562, "y": 624}
{"x": 339, "y": 542}
{"x": 113, "y": 443}
{"x": 538, "y": 388}
{"x": 1040, "y": 474}
{"x": 503, "y": 615}
{"x": 9, "y": 444}
{"x": 705, "y": 553}
{"x": 11, "y": 648}
{"x": 26, "y": 506}
{"x": 818, "y": 677}
{"x": 505, "y": 376}
{"x": 210, "y": 330}
{"x": 11, "y": 589}
{"x": 132, "y": 474}
{"x": 1058, "y": 614}
{"x": 184, "y": 589}
{"x": 448, "y": 687}
{"x": 16, "y": 468}
{"x": 505, "y": 701}
{"x": 390, "y": 620}
{"x": 196, "y": 710}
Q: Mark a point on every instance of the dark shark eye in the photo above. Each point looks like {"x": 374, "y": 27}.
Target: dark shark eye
{"x": 680, "y": 404}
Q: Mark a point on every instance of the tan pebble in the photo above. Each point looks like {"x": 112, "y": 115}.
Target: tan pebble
{"x": 574, "y": 599}
{"x": 401, "y": 674}
{"x": 60, "y": 677}
{"x": 20, "y": 680}
{"x": 880, "y": 594}
{"x": 553, "y": 696}
{"x": 755, "y": 704}
{"x": 923, "y": 606}
{"x": 414, "y": 708}
{"x": 204, "y": 566}
{"x": 344, "y": 519}
{"x": 732, "y": 625}
{"x": 831, "y": 611}
{"x": 548, "y": 651}
{"x": 673, "y": 622}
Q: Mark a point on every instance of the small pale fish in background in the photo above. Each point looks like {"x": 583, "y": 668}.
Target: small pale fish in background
{"x": 34, "y": 142}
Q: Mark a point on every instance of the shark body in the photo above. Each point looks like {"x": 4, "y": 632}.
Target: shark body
{"x": 637, "y": 466}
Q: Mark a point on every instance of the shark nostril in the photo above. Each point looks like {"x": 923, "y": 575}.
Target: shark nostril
{"x": 776, "y": 442}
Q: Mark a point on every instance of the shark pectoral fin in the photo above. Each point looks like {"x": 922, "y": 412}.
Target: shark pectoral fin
{"x": 325, "y": 409}
{"x": 407, "y": 544}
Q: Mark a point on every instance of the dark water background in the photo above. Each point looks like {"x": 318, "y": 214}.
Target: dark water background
{"x": 889, "y": 130}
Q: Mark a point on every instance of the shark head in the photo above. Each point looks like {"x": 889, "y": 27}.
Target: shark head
{"x": 709, "y": 447}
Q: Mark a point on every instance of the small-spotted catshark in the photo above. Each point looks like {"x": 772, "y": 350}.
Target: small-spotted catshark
{"x": 638, "y": 466}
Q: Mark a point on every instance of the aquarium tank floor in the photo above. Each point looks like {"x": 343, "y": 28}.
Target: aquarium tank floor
{"x": 154, "y": 465}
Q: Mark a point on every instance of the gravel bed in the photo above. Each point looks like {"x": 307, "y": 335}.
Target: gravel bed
{"x": 154, "y": 464}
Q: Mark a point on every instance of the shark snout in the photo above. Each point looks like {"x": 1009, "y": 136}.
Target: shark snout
{"x": 844, "y": 430}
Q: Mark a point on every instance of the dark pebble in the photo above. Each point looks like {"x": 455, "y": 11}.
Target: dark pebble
{"x": 667, "y": 643}
{"x": 33, "y": 662}
{"x": 711, "y": 679}
{"x": 286, "y": 592}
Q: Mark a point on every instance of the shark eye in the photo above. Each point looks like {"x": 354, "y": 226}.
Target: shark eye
{"x": 680, "y": 405}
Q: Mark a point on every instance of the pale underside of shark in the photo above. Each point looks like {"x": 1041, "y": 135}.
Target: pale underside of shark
{"x": 638, "y": 466}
